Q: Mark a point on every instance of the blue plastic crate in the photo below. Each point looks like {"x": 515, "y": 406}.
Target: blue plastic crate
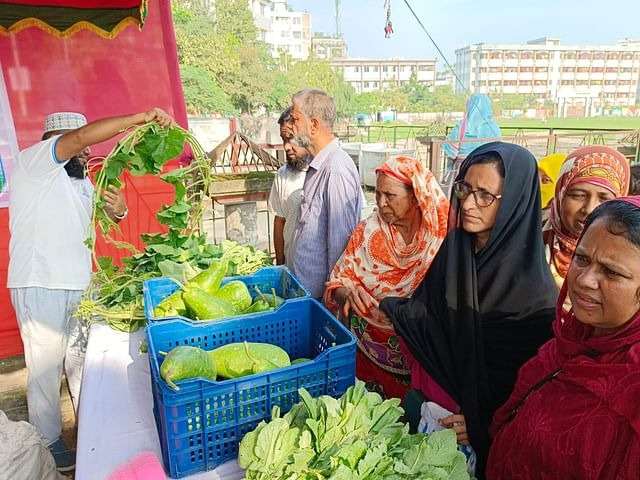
{"x": 279, "y": 278}
{"x": 201, "y": 425}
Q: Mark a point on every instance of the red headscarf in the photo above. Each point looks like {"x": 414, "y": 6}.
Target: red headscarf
{"x": 597, "y": 165}
{"x": 576, "y": 406}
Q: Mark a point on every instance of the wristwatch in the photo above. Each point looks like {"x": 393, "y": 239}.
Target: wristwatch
{"x": 123, "y": 216}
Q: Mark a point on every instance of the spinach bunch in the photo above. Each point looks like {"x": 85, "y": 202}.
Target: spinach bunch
{"x": 358, "y": 437}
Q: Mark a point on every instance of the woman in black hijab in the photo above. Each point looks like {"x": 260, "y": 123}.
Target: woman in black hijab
{"x": 488, "y": 300}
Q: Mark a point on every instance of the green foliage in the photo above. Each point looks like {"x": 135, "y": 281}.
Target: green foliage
{"x": 513, "y": 101}
{"x": 357, "y": 437}
{"x": 202, "y": 94}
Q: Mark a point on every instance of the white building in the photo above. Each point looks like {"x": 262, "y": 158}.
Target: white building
{"x": 366, "y": 75}
{"x": 445, "y": 78}
{"x": 328, "y": 46}
{"x": 580, "y": 80}
{"x": 283, "y": 29}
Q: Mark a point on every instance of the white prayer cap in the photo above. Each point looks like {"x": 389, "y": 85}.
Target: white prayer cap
{"x": 64, "y": 121}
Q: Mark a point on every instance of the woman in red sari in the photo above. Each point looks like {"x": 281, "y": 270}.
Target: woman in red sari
{"x": 575, "y": 409}
{"x": 388, "y": 254}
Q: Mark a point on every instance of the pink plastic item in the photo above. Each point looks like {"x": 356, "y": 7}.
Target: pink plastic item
{"x": 145, "y": 466}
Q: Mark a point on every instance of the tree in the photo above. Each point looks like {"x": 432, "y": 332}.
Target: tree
{"x": 202, "y": 94}
{"x": 316, "y": 73}
{"x": 513, "y": 101}
{"x": 225, "y": 45}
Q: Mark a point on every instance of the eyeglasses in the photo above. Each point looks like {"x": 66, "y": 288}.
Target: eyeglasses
{"x": 483, "y": 198}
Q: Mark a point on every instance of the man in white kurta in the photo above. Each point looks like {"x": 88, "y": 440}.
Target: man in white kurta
{"x": 50, "y": 211}
{"x": 286, "y": 192}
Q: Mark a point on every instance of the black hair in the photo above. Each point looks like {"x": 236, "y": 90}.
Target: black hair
{"x": 622, "y": 218}
{"x": 634, "y": 185}
{"x": 490, "y": 159}
{"x": 285, "y": 116}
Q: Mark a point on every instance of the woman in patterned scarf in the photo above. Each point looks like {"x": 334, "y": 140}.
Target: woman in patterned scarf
{"x": 388, "y": 254}
{"x": 588, "y": 177}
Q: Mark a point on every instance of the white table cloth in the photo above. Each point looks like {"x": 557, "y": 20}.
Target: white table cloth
{"x": 115, "y": 420}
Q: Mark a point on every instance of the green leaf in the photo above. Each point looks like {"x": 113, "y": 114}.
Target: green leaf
{"x": 162, "y": 249}
{"x": 175, "y": 176}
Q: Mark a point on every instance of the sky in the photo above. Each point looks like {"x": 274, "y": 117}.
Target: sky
{"x": 457, "y": 23}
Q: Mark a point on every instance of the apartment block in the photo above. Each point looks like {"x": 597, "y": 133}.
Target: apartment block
{"x": 366, "y": 75}
{"x": 577, "y": 79}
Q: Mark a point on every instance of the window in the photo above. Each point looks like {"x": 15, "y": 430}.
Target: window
{"x": 566, "y": 82}
{"x": 526, "y": 55}
{"x": 582, "y": 83}
{"x": 610, "y": 82}
{"x": 569, "y": 69}
{"x": 611, "y": 70}
{"x": 597, "y": 69}
{"x": 599, "y": 55}
{"x": 284, "y": 34}
{"x": 541, "y": 70}
{"x": 384, "y": 69}
{"x": 613, "y": 56}
{"x": 596, "y": 82}
{"x": 296, "y": 20}
{"x": 526, "y": 69}
{"x": 297, "y": 34}
{"x": 495, "y": 69}
{"x": 366, "y": 84}
{"x": 525, "y": 82}
{"x": 584, "y": 56}
{"x": 582, "y": 69}
{"x": 627, "y": 56}
{"x": 542, "y": 56}
{"x": 375, "y": 84}
{"x": 393, "y": 69}
{"x": 375, "y": 68}
{"x": 356, "y": 69}
{"x": 568, "y": 56}
{"x": 423, "y": 68}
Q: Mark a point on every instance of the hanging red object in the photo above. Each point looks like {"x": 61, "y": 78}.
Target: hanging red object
{"x": 388, "y": 27}
{"x": 62, "y": 18}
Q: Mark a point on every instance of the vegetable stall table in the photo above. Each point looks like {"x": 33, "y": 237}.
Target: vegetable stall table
{"x": 115, "y": 420}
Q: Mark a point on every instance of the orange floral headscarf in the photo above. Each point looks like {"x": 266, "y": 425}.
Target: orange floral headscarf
{"x": 598, "y": 165}
{"x": 377, "y": 257}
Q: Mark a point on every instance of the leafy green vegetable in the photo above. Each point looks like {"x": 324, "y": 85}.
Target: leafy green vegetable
{"x": 358, "y": 437}
{"x": 115, "y": 292}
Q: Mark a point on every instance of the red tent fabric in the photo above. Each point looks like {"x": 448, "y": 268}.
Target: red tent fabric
{"x": 88, "y": 73}
{"x": 65, "y": 17}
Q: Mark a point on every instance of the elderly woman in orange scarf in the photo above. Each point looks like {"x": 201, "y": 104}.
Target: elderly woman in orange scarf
{"x": 388, "y": 254}
{"x": 589, "y": 176}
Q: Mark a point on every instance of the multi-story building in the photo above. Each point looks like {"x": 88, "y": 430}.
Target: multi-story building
{"x": 328, "y": 46}
{"x": 445, "y": 78}
{"x": 366, "y": 75}
{"x": 580, "y": 79}
{"x": 281, "y": 28}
